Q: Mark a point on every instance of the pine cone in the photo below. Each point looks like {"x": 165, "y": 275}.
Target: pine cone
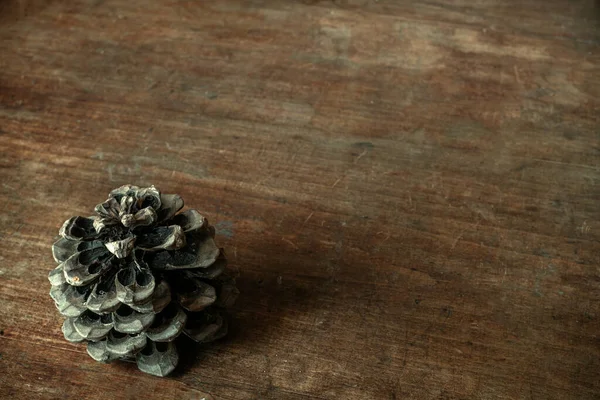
{"x": 136, "y": 275}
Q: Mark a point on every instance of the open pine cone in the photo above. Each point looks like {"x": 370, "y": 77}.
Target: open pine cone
{"x": 136, "y": 275}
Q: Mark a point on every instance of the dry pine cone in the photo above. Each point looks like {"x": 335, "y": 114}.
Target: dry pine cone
{"x": 136, "y": 275}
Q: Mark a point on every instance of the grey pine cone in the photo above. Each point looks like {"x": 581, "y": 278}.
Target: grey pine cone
{"x": 134, "y": 276}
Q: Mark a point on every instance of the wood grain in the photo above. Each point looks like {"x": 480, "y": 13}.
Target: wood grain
{"x": 408, "y": 191}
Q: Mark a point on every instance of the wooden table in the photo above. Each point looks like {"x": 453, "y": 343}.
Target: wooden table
{"x": 408, "y": 191}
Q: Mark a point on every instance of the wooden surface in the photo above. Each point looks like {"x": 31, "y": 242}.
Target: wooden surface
{"x": 408, "y": 190}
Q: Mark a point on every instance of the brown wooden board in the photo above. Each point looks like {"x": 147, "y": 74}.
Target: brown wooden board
{"x": 408, "y": 191}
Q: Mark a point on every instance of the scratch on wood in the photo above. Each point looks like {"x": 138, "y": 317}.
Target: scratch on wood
{"x": 307, "y": 218}
{"x": 517, "y": 74}
{"x": 387, "y": 235}
{"x": 456, "y": 240}
{"x": 290, "y": 242}
{"x": 110, "y": 168}
{"x": 361, "y": 155}
{"x": 585, "y": 228}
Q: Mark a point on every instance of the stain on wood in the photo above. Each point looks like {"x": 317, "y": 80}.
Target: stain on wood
{"x": 408, "y": 191}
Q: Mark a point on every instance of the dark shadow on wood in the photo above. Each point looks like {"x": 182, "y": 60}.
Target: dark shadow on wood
{"x": 264, "y": 302}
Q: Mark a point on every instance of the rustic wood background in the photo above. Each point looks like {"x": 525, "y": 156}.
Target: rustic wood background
{"x": 408, "y": 190}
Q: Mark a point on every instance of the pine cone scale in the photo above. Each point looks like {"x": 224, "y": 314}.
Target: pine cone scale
{"x": 168, "y": 324}
{"x": 162, "y": 238}
{"x": 126, "y": 320}
{"x": 68, "y": 300}
{"x": 206, "y": 328}
{"x": 99, "y": 352}
{"x": 196, "y": 295}
{"x": 70, "y": 333}
{"x": 190, "y": 221}
{"x": 159, "y": 300}
{"x": 84, "y": 267}
{"x": 124, "y": 345}
{"x": 92, "y": 326}
{"x": 170, "y": 205}
{"x": 121, "y": 248}
{"x": 103, "y": 296}
{"x": 134, "y": 285}
{"x": 78, "y": 228}
{"x": 158, "y": 358}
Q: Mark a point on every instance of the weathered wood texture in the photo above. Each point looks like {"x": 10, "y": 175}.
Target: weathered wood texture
{"x": 409, "y": 190}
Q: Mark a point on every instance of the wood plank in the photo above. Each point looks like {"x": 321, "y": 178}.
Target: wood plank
{"x": 407, "y": 191}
